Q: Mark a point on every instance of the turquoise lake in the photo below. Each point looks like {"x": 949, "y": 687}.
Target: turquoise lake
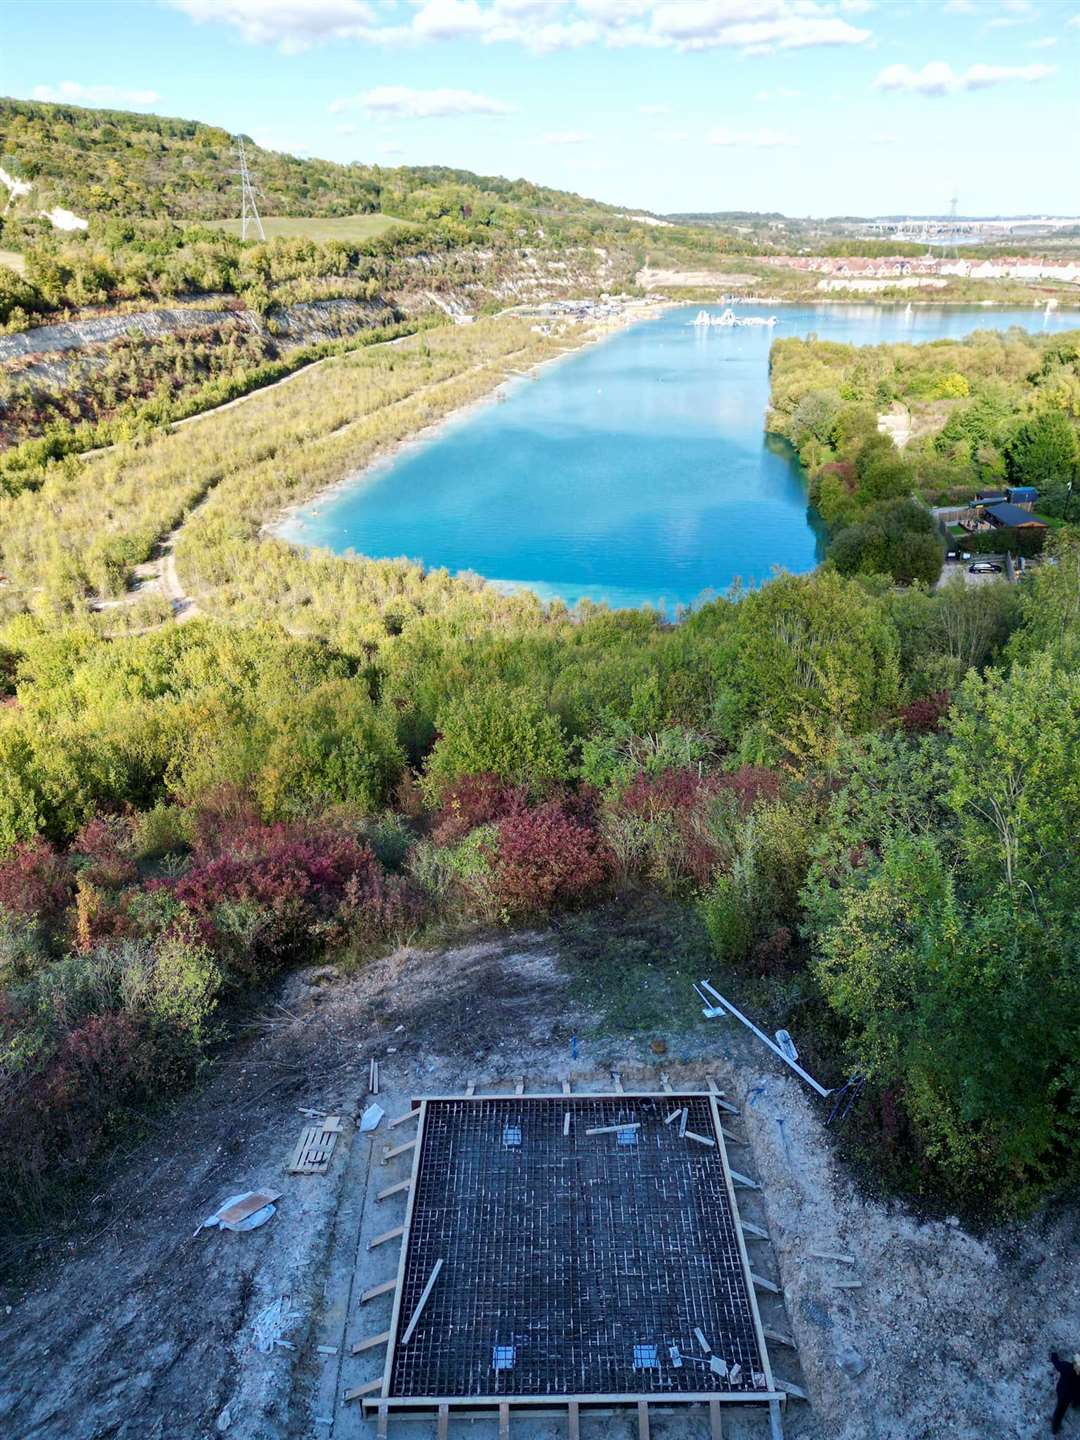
{"x": 634, "y": 472}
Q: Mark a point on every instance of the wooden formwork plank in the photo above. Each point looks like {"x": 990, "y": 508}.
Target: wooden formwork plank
{"x": 776, "y": 1425}
{"x": 394, "y": 1151}
{"x": 444, "y": 1422}
{"x": 384, "y": 1421}
{"x": 370, "y": 1342}
{"x": 716, "y": 1424}
{"x": 573, "y": 1415}
{"x": 398, "y": 1189}
{"x": 395, "y": 1314}
{"x": 386, "y": 1236}
{"x": 400, "y": 1119}
{"x": 504, "y": 1421}
{"x": 643, "y": 1419}
{"x": 376, "y": 1290}
{"x": 359, "y": 1391}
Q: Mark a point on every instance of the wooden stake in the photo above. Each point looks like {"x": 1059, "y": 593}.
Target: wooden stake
{"x": 702, "y": 1341}
{"x": 359, "y": 1390}
{"x": 566, "y": 1123}
{"x": 387, "y": 1235}
{"x": 673, "y": 1116}
{"x": 519, "y": 1088}
{"x": 504, "y": 1421}
{"x": 392, "y": 1154}
{"x": 683, "y": 1117}
{"x": 444, "y": 1422}
{"x": 377, "y": 1290}
{"x": 789, "y": 1389}
{"x": 778, "y": 1337}
{"x": 614, "y": 1129}
{"x": 470, "y": 1089}
{"x": 566, "y": 1086}
{"x": 370, "y": 1343}
{"x": 643, "y": 1419}
{"x": 832, "y": 1255}
{"x": 400, "y": 1119}
{"x": 744, "y": 1181}
{"x": 761, "y": 1283}
{"x": 421, "y": 1303}
{"x": 776, "y": 1427}
{"x": 716, "y": 1425}
{"x": 398, "y": 1189}
{"x": 755, "y": 1231}
{"x": 384, "y": 1420}
{"x": 573, "y": 1415}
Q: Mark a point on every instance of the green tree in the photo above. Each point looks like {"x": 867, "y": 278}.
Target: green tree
{"x": 1043, "y": 451}
{"x": 501, "y": 729}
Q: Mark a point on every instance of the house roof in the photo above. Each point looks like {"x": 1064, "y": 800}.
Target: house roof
{"x": 1012, "y": 515}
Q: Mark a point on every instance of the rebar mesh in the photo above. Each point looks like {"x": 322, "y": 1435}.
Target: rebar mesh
{"x": 573, "y": 1250}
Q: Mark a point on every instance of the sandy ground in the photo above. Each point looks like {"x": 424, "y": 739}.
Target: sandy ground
{"x": 140, "y": 1329}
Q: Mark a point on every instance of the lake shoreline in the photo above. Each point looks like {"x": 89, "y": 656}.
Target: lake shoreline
{"x": 286, "y": 524}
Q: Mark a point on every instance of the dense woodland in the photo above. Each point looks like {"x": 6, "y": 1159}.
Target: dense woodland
{"x": 997, "y": 409}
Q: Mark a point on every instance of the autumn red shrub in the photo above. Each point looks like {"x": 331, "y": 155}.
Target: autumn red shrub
{"x": 546, "y": 857}
{"x": 926, "y": 716}
{"x": 53, "y": 1120}
{"x": 221, "y": 817}
{"x": 475, "y": 800}
{"x": 100, "y": 915}
{"x": 670, "y": 790}
{"x": 262, "y": 905}
{"x": 36, "y": 882}
{"x": 752, "y": 785}
{"x": 104, "y": 848}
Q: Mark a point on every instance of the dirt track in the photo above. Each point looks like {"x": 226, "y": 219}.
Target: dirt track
{"x": 141, "y": 1331}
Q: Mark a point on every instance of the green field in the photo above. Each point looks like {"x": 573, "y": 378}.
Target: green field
{"x": 314, "y": 227}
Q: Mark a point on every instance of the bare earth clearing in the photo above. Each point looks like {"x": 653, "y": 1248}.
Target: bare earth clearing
{"x": 143, "y": 1331}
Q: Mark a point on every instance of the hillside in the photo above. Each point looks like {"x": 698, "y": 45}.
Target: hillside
{"x": 117, "y": 163}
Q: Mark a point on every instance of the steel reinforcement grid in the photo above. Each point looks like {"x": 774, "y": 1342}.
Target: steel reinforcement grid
{"x": 573, "y": 1263}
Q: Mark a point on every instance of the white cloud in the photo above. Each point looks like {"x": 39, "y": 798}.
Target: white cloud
{"x": 69, "y": 92}
{"x": 654, "y": 109}
{"x": 960, "y": 7}
{"x": 346, "y": 129}
{"x": 938, "y": 77}
{"x": 542, "y": 25}
{"x": 1073, "y": 23}
{"x": 751, "y": 139}
{"x": 567, "y": 137}
{"x": 1047, "y": 42}
{"x": 421, "y": 104}
{"x": 780, "y": 93}
{"x": 884, "y": 137}
{"x": 291, "y": 24}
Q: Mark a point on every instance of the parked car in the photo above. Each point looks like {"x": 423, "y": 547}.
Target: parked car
{"x": 984, "y": 567}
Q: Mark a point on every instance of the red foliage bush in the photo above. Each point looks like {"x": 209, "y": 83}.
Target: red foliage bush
{"x": 54, "y": 1120}
{"x": 221, "y": 818}
{"x": 104, "y": 845}
{"x": 671, "y": 790}
{"x": 475, "y": 800}
{"x": 36, "y": 882}
{"x": 926, "y": 716}
{"x": 545, "y": 857}
{"x": 288, "y": 881}
{"x": 752, "y": 785}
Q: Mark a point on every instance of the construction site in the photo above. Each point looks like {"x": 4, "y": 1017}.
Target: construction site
{"x": 439, "y": 1197}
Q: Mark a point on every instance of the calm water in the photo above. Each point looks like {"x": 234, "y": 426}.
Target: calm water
{"x": 635, "y": 472}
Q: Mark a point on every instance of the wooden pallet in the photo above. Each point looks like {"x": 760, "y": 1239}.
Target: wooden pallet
{"x": 315, "y": 1147}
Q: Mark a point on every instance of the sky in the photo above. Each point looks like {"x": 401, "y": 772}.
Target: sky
{"x": 809, "y": 107}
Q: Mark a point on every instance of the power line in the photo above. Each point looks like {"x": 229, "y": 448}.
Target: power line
{"x": 249, "y": 211}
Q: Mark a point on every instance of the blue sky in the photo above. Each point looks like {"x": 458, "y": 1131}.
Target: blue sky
{"x": 805, "y": 106}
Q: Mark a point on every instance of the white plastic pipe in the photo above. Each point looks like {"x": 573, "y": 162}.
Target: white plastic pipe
{"x": 791, "y": 1064}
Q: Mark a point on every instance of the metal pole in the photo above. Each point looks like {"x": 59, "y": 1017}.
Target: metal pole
{"x": 727, "y": 1005}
